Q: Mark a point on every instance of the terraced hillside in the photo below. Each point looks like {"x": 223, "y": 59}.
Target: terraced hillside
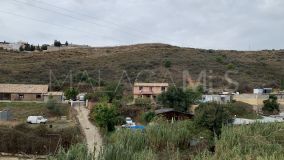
{"x": 150, "y": 62}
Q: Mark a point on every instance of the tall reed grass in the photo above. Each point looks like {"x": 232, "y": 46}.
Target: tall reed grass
{"x": 255, "y": 141}
{"x": 160, "y": 141}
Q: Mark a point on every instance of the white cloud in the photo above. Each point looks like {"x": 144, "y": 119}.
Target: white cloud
{"x": 218, "y": 24}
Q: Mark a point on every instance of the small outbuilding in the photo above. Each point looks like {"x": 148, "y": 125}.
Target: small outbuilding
{"x": 5, "y": 115}
{"x": 223, "y": 99}
{"x": 57, "y": 96}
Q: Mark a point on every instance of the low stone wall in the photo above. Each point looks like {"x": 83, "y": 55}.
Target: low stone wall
{"x": 9, "y": 156}
{"x": 256, "y": 99}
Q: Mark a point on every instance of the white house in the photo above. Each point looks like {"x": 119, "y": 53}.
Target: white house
{"x": 217, "y": 98}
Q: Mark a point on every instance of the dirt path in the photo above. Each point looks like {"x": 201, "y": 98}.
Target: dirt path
{"x": 93, "y": 137}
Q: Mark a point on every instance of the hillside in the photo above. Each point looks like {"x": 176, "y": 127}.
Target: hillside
{"x": 159, "y": 61}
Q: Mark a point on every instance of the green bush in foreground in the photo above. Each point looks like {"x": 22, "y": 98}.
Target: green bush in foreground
{"x": 105, "y": 116}
{"x": 212, "y": 116}
{"x": 148, "y": 116}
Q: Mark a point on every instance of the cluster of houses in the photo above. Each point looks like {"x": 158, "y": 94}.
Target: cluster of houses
{"x": 36, "y": 92}
{"x": 41, "y": 93}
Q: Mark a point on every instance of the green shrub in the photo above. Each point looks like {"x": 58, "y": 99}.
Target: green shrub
{"x": 148, "y": 116}
{"x": 143, "y": 102}
{"x": 212, "y": 116}
{"x": 231, "y": 66}
{"x": 271, "y": 106}
{"x": 105, "y": 116}
{"x": 71, "y": 93}
{"x": 178, "y": 98}
{"x": 242, "y": 110}
{"x": 167, "y": 63}
{"x": 96, "y": 97}
{"x": 54, "y": 107}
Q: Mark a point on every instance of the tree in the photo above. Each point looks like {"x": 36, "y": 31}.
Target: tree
{"x": 212, "y": 116}
{"x": 27, "y": 47}
{"x": 178, "y": 98}
{"x": 66, "y": 43}
{"x": 105, "y": 116}
{"x": 52, "y": 106}
{"x": 282, "y": 85}
{"x": 44, "y": 47}
{"x": 114, "y": 91}
{"x": 57, "y": 43}
{"x": 271, "y": 106}
{"x": 32, "y": 48}
{"x": 71, "y": 93}
{"x": 38, "y": 48}
{"x": 21, "y": 48}
{"x": 97, "y": 97}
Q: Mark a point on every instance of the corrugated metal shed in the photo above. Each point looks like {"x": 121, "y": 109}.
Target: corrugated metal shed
{"x": 5, "y": 115}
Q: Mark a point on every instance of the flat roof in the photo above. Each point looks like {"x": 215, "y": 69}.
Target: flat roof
{"x": 23, "y": 88}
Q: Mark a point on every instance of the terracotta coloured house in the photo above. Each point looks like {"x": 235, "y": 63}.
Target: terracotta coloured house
{"x": 150, "y": 90}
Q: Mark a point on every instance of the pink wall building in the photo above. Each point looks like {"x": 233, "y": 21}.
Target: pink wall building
{"x": 150, "y": 90}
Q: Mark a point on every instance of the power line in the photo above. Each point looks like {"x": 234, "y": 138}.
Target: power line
{"x": 49, "y": 23}
{"x": 104, "y": 21}
{"x": 68, "y": 15}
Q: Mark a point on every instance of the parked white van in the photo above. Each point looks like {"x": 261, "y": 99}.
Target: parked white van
{"x": 36, "y": 120}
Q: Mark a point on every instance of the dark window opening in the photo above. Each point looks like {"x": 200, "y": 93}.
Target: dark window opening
{"x": 21, "y": 96}
{"x": 38, "y": 96}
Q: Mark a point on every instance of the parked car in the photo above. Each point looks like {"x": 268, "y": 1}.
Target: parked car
{"x": 36, "y": 120}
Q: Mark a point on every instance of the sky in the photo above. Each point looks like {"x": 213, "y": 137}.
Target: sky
{"x": 208, "y": 24}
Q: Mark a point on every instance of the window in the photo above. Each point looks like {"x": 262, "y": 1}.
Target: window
{"x": 21, "y": 96}
{"x": 163, "y": 89}
{"x": 38, "y": 96}
{"x": 140, "y": 88}
{"x": 151, "y": 89}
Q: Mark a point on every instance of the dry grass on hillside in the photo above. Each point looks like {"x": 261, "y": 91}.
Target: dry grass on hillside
{"x": 253, "y": 69}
